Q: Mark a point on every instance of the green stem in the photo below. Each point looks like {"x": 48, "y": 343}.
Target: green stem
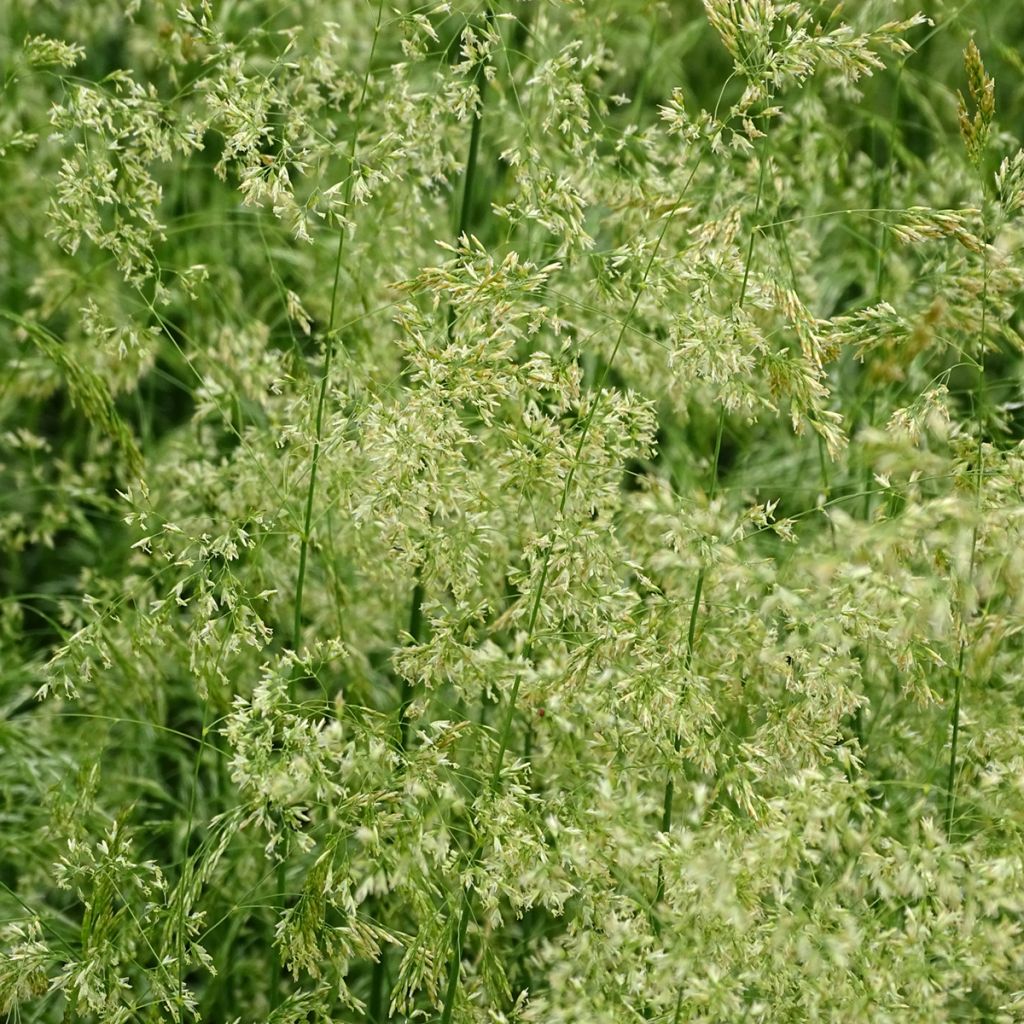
{"x": 979, "y": 470}
{"x": 567, "y": 489}
{"x": 277, "y": 989}
{"x": 278, "y": 907}
{"x": 455, "y": 964}
{"x": 472, "y": 158}
{"x": 416, "y": 612}
{"x": 375, "y": 1004}
{"x": 954, "y": 727}
{"x": 826, "y": 488}
{"x": 867, "y": 486}
{"x": 538, "y": 593}
{"x": 640, "y": 92}
{"x": 679, "y": 1006}
{"x": 691, "y": 634}
{"x": 321, "y": 404}
{"x": 415, "y": 630}
{"x": 698, "y": 589}
{"x": 885, "y": 192}
{"x": 469, "y": 177}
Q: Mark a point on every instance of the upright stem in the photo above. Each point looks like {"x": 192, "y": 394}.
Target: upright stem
{"x": 884, "y": 202}
{"x": 826, "y": 489}
{"x": 469, "y": 177}
{"x": 277, "y": 989}
{"x": 469, "y": 173}
{"x": 377, "y": 981}
{"x": 698, "y": 589}
{"x": 954, "y": 728}
{"x": 330, "y": 340}
{"x": 458, "y": 941}
{"x": 505, "y": 732}
{"x": 415, "y": 631}
{"x": 375, "y": 1004}
{"x": 979, "y": 405}
{"x": 691, "y": 633}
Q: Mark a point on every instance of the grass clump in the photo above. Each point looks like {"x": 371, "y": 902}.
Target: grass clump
{"x": 511, "y": 512}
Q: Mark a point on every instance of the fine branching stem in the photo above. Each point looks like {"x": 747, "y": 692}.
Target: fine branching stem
{"x": 321, "y": 404}
{"x": 329, "y": 344}
{"x": 464, "y": 222}
{"x": 698, "y": 588}
{"x": 979, "y": 475}
{"x": 505, "y": 732}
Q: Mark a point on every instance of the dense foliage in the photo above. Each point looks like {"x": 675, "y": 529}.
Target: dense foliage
{"x": 511, "y": 511}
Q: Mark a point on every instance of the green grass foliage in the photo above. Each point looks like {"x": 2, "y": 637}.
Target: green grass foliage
{"x": 511, "y": 511}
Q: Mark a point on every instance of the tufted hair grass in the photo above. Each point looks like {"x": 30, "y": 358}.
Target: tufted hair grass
{"x": 512, "y": 512}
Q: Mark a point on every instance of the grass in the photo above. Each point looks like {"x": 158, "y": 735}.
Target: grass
{"x": 469, "y": 470}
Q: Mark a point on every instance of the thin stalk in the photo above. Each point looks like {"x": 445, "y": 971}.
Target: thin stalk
{"x": 472, "y": 159}
{"x": 640, "y": 93}
{"x": 884, "y": 198}
{"x": 567, "y": 489}
{"x": 375, "y": 1004}
{"x": 458, "y": 942}
{"x": 469, "y": 176}
{"x": 867, "y": 488}
{"x": 321, "y": 404}
{"x": 277, "y": 989}
{"x": 538, "y": 593}
{"x": 415, "y": 631}
{"x": 885, "y": 193}
{"x": 698, "y": 589}
{"x": 278, "y": 907}
{"x": 378, "y": 978}
{"x": 679, "y": 1006}
{"x": 465, "y": 215}
{"x": 954, "y": 728}
{"x": 375, "y": 1011}
{"x": 826, "y": 488}
{"x": 691, "y": 634}
{"x": 979, "y": 405}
